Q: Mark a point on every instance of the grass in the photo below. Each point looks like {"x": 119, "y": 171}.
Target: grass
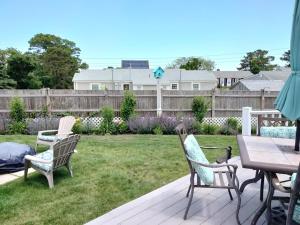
{"x": 108, "y": 172}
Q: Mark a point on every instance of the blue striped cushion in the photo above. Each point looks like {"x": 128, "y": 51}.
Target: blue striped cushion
{"x": 278, "y": 132}
{"x": 47, "y": 155}
{"x": 195, "y": 153}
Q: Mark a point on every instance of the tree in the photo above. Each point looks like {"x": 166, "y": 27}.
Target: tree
{"x": 192, "y": 63}
{"x": 257, "y": 61}
{"x": 18, "y": 68}
{"x": 286, "y": 57}
{"x": 5, "y": 81}
{"x": 59, "y": 60}
{"x": 59, "y": 63}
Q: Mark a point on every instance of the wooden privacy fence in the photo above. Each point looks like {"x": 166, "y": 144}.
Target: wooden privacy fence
{"x": 223, "y": 103}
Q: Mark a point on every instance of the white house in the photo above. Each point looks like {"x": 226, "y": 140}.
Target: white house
{"x": 143, "y": 79}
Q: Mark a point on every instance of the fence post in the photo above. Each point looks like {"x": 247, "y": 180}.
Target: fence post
{"x": 158, "y": 99}
{"x": 48, "y": 100}
{"x": 213, "y": 102}
{"x": 246, "y": 121}
{"x": 262, "y": 99}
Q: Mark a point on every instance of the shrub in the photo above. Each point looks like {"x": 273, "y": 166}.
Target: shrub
{"x": 168, "y": 124}
{"x": 128, "y": 106}
{"x": 157, "y": 130}
{"x": 106, "y": 125}
{"x": 230, "y": 127}
{"x": 189, "y": 124}
{"x": 199, "y": 107}
{"x": 17, "y": 116}
{"x": 198, "y": 128}
{"x": 143, "y": 125}
{"x": 210, "y": 129}
{"x": 17, "y": 127}
{"x": 122, "y": 128}
{"x": 17, "y": 110}
{"x": 77, "y": 128}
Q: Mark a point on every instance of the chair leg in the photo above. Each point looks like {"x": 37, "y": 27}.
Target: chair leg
{"x": 188, "y": 192}
{"x": 238, "y": 193}
{"x": 262, "y": 183}
{"x": 69, "y": 167}
{"x": 230, "y": 195}
{"x": 50, "y": 180}
{"x": 191, "y": 197}
{"x": 26, "y": 166}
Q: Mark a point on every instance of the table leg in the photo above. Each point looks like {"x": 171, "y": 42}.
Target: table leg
{"x": 258, "y": 176}
{"x": 267, "y": 203}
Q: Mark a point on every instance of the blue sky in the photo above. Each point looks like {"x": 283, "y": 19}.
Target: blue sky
{"x": 158, "y": 30}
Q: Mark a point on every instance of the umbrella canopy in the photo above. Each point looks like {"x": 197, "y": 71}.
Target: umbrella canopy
{"x": 288, "y": 100}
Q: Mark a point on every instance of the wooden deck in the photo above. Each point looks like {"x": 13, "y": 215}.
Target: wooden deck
{"x": 167, "y": 204}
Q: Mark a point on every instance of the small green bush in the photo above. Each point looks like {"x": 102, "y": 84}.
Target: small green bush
{"x": 107, "y": 125}
{"x": 198, "y": 128}
{"x": 17, "y": 127}
{"x": 123, "y": 128}
{"x": 231, "y": 127}
{"x": 78, "y": 127}
{"x": 128, "y": 106}
{"x": 200, "y": 108}
{"x": 158, "y": 130}
{"x": 17, "y": 110}
{"x": 17, "y": 116}
{"x": 210, "y": 129}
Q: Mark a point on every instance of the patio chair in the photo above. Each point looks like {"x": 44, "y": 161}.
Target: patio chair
{"x": 203, "y": 171}
{"x": 57, "y": 156}
{"x": 50, "y": 137}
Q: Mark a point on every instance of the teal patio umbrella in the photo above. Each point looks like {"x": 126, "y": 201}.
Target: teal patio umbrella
{"x": 288, "y": 100}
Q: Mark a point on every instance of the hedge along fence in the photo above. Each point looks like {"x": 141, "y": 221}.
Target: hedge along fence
{"x": 224, "y": 103}
{"x": 51, "y": 123}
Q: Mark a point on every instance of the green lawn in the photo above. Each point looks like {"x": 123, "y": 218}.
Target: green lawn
{"x": 108, "y": 172}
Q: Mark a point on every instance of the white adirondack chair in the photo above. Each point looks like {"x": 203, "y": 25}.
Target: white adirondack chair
{"x": 50, "y": 137}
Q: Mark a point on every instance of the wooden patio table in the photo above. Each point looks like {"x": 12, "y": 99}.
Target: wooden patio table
{"x": 269, "y": 156}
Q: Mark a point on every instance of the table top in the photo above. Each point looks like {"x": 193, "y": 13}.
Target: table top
{"x": 268, "y": 154}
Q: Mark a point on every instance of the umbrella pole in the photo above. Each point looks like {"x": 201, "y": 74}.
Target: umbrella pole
{"x": 297, "y": 136}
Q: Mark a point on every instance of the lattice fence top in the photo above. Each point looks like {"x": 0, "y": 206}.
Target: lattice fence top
{"x": 220, "y": 121}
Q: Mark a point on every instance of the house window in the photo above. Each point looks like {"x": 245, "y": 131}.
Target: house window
{"x": 174, "y": 86}
{"x": 225, "y": 82}
{"x": 125, "y": 87}
{"x": 196, "y": 87}
{"x": 233, "y": 80}
{"x": 95, "y": 87}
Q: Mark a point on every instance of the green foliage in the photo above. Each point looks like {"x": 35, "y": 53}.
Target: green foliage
{"x": 231, "y": 127}
{"x": 107, "y": 126}
{"x": 17, "y": 127}
{"x": 210, "y": 129}
{"x": 199, "y": 107}
{"x": 78, "y": 127}
{"x": 51, "y": 62}
{"x": 257, "y": 61}
{"x": 45, "y": 111}
{"x": 17, "y": 110}
{"x": 286, "y": 57}
{"x": 197, "y": 128}
{"x": 192, "y": 63}
{"x": 128, "y": 105}
{"x": 158, "y": 130}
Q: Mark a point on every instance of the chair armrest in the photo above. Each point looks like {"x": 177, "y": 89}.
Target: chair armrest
{"x": 225, "y": 157}
{"x": 47, "y": 131}
{"x": 33, "y": 158}
{"x": 234, "y": 166}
